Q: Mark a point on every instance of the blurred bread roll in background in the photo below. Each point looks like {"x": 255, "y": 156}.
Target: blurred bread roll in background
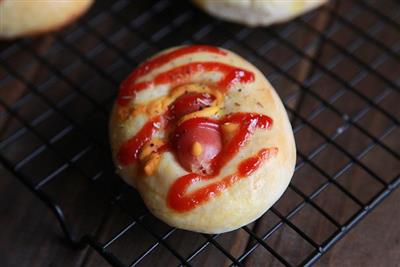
{"x": 31, "y": 17}
{"x": 257, "y": 12}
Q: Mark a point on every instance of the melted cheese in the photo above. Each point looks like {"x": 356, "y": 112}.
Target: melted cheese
{"x": 149, "y": 157}
{"x": 160, "y": 105}
{"x": 149, "y": 148}
{"x": 152, "y": 164}
{"x": 206, "y": 112}
{"x": 229, "y": 130}
{"x": 197, "y": 149}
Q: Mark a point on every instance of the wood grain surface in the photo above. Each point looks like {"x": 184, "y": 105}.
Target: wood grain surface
{"x": 57, "y": 138}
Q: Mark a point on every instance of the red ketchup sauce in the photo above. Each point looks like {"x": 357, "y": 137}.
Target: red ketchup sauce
{"x": 129, "y": 150}
{"x": 183, "y": 74}
{"x": 181, "y": 201}
{"x": 202, "y": 130}
{"x": 127, "y": 90}
{"x": 188, "y": 103}
{"x": 178, "y": 198}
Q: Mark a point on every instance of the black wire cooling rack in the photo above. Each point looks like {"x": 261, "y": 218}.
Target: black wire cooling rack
{"x": 336, "y": 69}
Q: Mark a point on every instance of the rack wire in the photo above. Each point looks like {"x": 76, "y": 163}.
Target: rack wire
{"x": 336, "y": 69}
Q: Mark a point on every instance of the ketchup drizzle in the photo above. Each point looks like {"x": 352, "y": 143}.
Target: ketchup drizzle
{"x": 129, "y": 151}
{"x": 181, "y": 201}
{"x": 183, "y": 74}
{"x": 160, "y": 60}
{"x": 248, "y": 122}
{"x": 178, "y": 198}
{"x": 250, "y": 165}
{"x": 128, "y": 87}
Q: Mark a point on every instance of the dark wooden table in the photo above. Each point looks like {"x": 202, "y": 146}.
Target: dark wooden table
{"x": 30, "y": 235}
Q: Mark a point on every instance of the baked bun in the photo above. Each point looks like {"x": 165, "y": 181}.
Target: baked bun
{"x": 203, "y": 137}
{"x": 31, "y": 17}
{"x": 257, "y": 13}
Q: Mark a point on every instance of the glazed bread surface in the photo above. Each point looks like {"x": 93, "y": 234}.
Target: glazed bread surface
{"x": 246, "y": 199}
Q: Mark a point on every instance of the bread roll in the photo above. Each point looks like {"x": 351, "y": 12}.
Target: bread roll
{"x": 257, "y": 12}
{"x": 203, "y": 137}
{"x": 31, "y": 17}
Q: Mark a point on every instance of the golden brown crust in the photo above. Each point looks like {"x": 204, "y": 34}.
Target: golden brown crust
{"x": 247, "y": 199}
{"x": 14, "y": 23}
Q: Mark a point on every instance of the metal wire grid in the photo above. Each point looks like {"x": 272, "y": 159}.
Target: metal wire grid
{"x": 123, "y": 35}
